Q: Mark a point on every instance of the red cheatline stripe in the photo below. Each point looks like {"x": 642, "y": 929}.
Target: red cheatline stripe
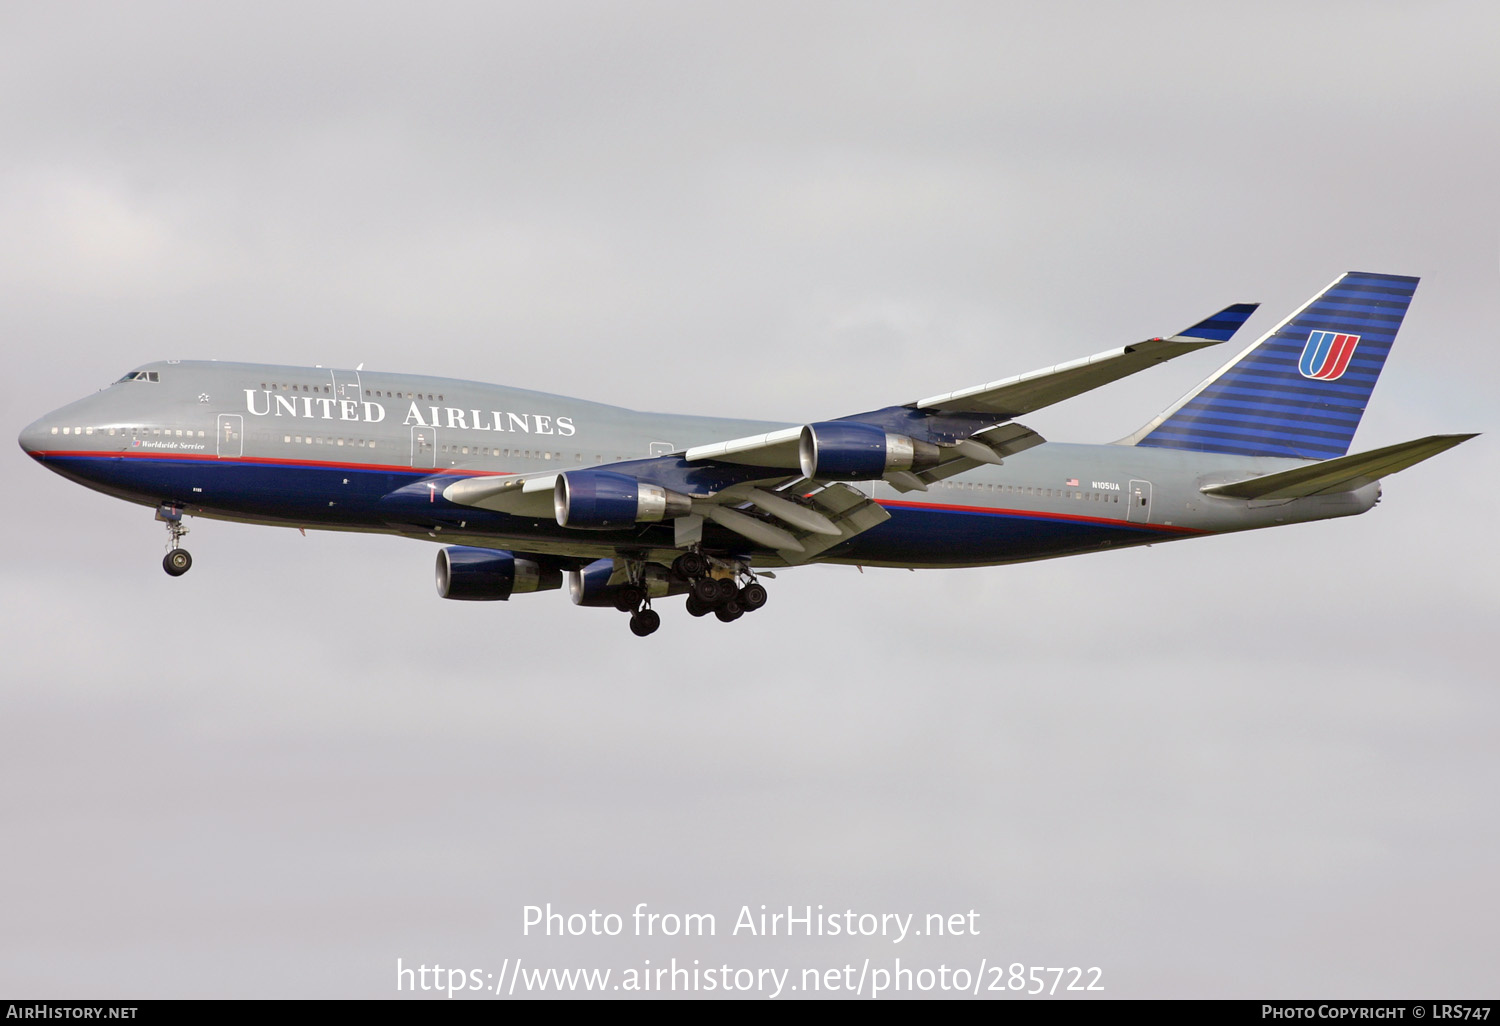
{"x": 208, "y": 457}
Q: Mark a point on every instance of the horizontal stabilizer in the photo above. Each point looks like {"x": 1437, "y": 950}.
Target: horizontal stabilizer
{"x": 1343, "y": 474}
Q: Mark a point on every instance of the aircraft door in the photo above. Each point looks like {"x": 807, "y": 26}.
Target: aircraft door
{"x": 231, "y": 435}
{"x": 423, "y": 446}
{"x": 346, "y": 385}
{"x": 1139, "y": 511}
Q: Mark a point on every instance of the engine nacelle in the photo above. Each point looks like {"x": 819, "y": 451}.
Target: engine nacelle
{"x": 604, "y": 499}
{"x": 590, "y": 586}
{"x": 845, "y": 450}
{"x": 488, "y": 575}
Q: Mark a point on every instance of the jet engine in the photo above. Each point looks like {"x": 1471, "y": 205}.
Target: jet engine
{"x": 485, "y": 575}
{"x": 845, "y": 450}
{"x": 604, "y": 499}
{"x": 590, "y": 586}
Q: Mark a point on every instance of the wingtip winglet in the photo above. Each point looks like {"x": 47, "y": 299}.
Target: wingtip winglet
{"x": 1222, "y": 325}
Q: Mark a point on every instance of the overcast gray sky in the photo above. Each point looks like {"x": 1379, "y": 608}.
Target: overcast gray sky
{"x": 1258, "y": 765}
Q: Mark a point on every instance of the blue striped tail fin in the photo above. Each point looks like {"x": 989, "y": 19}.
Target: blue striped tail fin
{"x": 1301, "y": 389}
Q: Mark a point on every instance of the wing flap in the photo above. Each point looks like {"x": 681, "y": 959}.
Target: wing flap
{"x": 990, "y": 445}
{"x": 849, "y": 509}
{"x": 758, "y": 531}
{"x": 1008, "y": 439}
{"x": 1343, "y": 474}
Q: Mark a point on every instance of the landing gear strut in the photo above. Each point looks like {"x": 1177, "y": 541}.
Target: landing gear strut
{"x": 635, "y": 599}
{"x": 178, "y": 560}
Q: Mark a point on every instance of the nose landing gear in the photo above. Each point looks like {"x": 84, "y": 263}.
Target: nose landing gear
{"x": 178, "y": 560}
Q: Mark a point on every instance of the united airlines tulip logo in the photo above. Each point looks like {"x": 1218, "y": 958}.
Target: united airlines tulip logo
{"x": 1326, "y": 355}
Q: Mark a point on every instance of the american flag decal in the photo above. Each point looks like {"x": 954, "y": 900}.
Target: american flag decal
{"x": 1071, "y": 482}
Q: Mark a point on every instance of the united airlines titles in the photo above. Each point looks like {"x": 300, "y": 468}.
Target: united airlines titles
{"x": 265, "y": 403}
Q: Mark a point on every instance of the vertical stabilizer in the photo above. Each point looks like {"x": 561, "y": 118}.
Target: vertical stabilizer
{"x": 1301, "y": 389}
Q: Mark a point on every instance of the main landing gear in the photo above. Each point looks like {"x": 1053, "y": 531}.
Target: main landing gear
{"x": 713, "y": 587}
{"x": 644, "y": 621}
{"x": 635, "y": 599}
{"x": 178, "y": 560}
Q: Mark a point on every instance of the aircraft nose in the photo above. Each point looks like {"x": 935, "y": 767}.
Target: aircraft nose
{"x": 33, "y": 437}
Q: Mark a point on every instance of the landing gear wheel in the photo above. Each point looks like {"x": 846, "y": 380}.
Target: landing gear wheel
{"x": 690, "y": 565}
{"x": 729, "y": 612}
{"x": 177, "y": 562}
{"x": 629, "y": 599}
{"x": 752, "y": 597}
{"x": 645, "y": 622}
{"x": 706, "y": 591}
{"x": 697, "y": 607}
{"x": 727, "y": 589}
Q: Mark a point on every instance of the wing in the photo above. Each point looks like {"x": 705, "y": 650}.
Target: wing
{"x": 789, "y": 515}
{"x": 786, "y": 491}
{"x": 972, "y": 425}
{"x": 1011, "y": 397}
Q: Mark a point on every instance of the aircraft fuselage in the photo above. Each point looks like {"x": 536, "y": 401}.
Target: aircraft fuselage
{"x": 366, "y": 451}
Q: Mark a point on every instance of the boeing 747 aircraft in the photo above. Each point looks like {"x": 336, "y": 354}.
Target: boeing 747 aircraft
{"x": 520, "y": 487}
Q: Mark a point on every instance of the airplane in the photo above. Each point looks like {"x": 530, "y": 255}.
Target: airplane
{"x": 521, "y": 487}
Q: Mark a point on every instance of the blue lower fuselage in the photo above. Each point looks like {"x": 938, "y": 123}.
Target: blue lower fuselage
{"x": 346, "y": 496}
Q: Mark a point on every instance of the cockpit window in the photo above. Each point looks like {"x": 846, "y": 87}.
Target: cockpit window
{"x": 140, "y": 376}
